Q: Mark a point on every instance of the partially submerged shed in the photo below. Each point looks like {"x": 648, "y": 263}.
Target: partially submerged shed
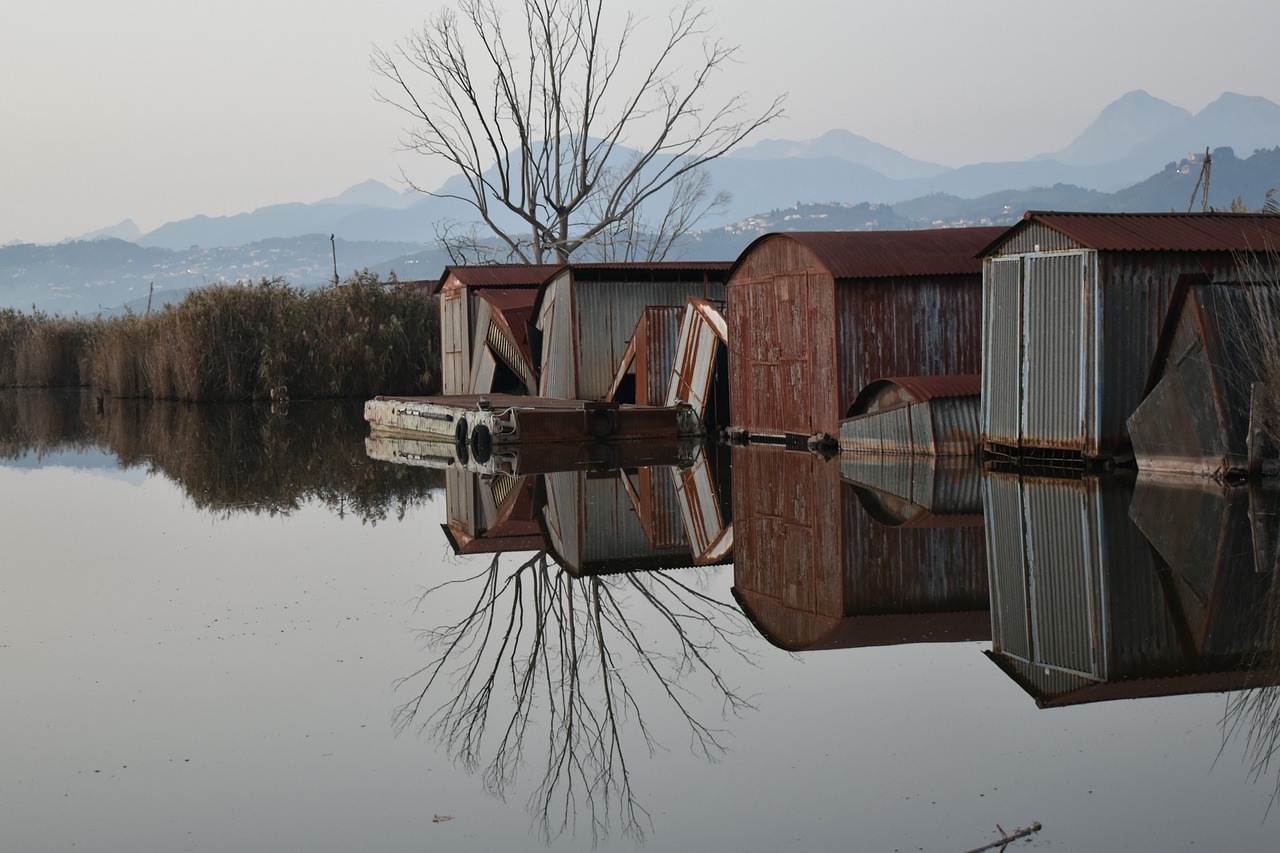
{"x": 1073, "y": 308}
{"x": 587, "y": 314}
{"x": 915, "y": 415}
{"x": 1206, "y": 405}
{"x": 485, "y": 313}
{"x": 813, "y": 317}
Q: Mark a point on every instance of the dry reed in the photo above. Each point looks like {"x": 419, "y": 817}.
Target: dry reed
{"x": 260, "y": 341}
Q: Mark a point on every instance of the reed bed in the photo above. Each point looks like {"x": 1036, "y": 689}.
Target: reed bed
{"x": 260, "y": 341}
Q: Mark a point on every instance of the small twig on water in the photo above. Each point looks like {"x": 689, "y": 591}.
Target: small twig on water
{"x": 1007, "y": 837}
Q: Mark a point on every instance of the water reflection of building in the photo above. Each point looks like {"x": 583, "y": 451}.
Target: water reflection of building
{"x": 1085, "y": 607}
{"x": 814, "y": 570}
{"x": 597, "y": 508}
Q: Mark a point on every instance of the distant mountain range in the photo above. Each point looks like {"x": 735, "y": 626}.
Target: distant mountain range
{"x": 1141, "y": 153}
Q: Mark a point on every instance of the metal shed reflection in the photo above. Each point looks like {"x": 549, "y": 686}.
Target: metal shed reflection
{"x": 1084, "y": 609}
{"x": 814, "y": 570}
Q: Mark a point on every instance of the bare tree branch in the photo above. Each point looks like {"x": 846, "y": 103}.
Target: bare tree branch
{"x": 564, "y": 136}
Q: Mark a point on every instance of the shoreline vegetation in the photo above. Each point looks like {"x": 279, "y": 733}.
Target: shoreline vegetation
{"x": 238, "y": 342}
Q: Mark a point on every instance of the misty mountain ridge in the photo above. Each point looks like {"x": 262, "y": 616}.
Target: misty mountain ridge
{"x": 837, "y": 181}
{"x": 1133, "y": 138}
{"x": 1149, "y": 132}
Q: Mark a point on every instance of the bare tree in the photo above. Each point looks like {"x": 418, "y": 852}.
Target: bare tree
{"x": 550, "y": 670}
{"x": 566, "y": 129}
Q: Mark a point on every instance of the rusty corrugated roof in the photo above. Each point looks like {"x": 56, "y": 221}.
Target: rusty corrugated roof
{"x": 498, "y": 275}
{"x": 1153, "y": 232}
{"x": 893, "y": 254}
{"x": 661, "y": 266}
{"x": 924, "y": 388}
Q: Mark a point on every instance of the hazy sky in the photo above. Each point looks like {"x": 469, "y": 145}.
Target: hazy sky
{"x": 157, "y": 110}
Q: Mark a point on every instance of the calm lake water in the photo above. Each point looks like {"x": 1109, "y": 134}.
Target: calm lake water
{"x": 224, "y": 629}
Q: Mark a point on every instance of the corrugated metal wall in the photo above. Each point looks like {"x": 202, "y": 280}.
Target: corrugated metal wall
{"x": 556, "y": 376}
{"x": 802, "y": 345}
{"x": 1057, "y": 349}
{"x": 904, "y": 327}
{"x": 656, "y": 354}
{"x": 943, "y": 426}
{"x": 1087, "y": 329}
{"x": 605, "y": 316}
{"x": 1002, "y": 350}
{"x": 1137, "y": 289}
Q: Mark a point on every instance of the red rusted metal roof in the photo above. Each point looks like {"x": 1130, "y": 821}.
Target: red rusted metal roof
{"x": 892, "y": 254}
{"x": 664, "y": 266}
{"x": 1153, "y": 232}
{"x": 497, "y": 275}
{"x": 925, "y": 388}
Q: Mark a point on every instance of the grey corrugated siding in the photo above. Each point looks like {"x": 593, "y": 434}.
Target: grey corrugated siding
{"x": 1002, "y": 350}
{"x": 944, "y": 426}
{"x": 1062, "y": 562}
{"x": 1036, "y": 237}
{"x": 557, "y": 375}
{"x": 1057, "y": 344}
{"x": 1006, "y": 566}
{"x": 605, "y": 316}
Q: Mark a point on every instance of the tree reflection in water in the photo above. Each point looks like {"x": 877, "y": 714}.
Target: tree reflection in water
{"x": 584, "y": 658}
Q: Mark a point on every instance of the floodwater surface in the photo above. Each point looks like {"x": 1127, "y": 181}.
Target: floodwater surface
{"x": 229, "y": 629}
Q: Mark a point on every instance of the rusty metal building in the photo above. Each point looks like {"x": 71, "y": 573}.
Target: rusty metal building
{"x": 587, "y": 314}
{"x": 814, "y": 317}
{"x": 1073, "y": 308}
{"x": 484, "y": 327}
{"x": 813, "y": 569}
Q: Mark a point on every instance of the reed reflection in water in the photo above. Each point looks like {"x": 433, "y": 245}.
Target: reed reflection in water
{"x": 228, "y": 458}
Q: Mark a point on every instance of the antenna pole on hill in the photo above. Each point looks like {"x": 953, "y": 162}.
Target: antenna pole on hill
{"x": 1205, "y": 168}
{"x": 334, "y": 246}
{"x": 150, "y": 293}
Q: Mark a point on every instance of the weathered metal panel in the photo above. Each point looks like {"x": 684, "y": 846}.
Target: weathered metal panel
{"x": 941, "y": 426}
{"x": 605, "y": 315}
{"x": 1197, "y": 417}
{"x": 1136, "y": 261}
{"x": 702, "y": 334}
{"x": 884, "y": 254}
{"x": 656, "y": 338}
{"x": 1057, "y": 338}
{"x": 905, "y": 327}
{"x": 1033, "y": 236}
{"x": 1165, "y": 232}
{"x": 455, "y": 342}
{"x": 1007, "y": 566}
{"x": 1002, "y": 351}
{"x": 557, "y": 375}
